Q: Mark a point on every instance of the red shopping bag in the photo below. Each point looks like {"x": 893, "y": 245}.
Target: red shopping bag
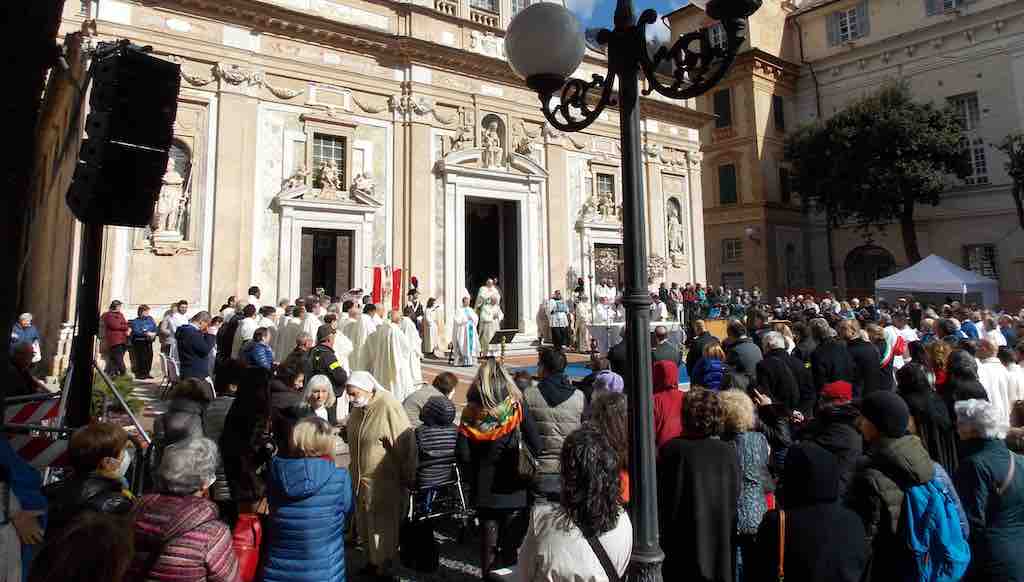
{"x": 246, "y": 541}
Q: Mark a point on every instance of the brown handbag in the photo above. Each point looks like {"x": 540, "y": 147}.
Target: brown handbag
{"x": 782, "y": 546}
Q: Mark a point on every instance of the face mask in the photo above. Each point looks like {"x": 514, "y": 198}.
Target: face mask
{"x": 360, "y": 402}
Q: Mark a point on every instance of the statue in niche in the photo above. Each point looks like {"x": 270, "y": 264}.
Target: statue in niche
{"x": 494, "y": 154}
{"x": 676, "y": 238}
{"x": 170, "y": 206}
{"x": 296, "y": 180}
{"x": 330, "y": 179}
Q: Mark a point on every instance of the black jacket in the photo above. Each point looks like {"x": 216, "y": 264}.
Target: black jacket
{"x": 784, "y": 378}
{"x": 698, "y": 489}
{"x": 668, "y": 352}
{"x": 867, "y": 373}
{"x": 742, "y": 356}
{"x": 194, "y": 349}
{"x": 833, "y": 429}
{"x": 491, "y": 465}
{"x": 934, "y": 424}
{"x": 90, "y": 493}
{"x": 824, "y": 540}
{"x": 322, "y": 360}
{"x": 804, "y": 349}
{"x": 617, "y": 358}
{"x": 695, "y": 349}
{"x": 831, "y": 362}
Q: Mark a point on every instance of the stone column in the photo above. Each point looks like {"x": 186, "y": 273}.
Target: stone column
{"x": 559, "y": 219}
{"x": 414, "y": 234}
{"x": 235, "y": 183}
{"x": 698, "y": 256}
{"x": 656, "y": 211}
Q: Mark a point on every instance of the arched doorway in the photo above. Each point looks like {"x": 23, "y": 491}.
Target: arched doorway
{"x": 864, "y": 265}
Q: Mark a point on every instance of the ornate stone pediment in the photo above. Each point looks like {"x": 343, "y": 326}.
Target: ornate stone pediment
{"x": 473, "y": 158}
{"x": 355, "y": 198}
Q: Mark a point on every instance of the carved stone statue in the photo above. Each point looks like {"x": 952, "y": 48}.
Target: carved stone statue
{"x": 494, "y": 154}
{"x": 589, "y": 210}
{"x": 676, "y": 242}
{"x": 330, "y": 177}
{"x": 462, "y": 139}
{"x": 170, "y": 206}
{"x": 363, "y": 189}
{"x": 297, "y": 179}
{"x": 606, "y": 207}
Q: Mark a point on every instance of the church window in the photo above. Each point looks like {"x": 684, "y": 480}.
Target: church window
{"x": 732, "y": 250}
{"x": 488, "y": 5}
{"x": 967, "y": 108}
{"x": 848, "y": 24}
{"x": 727, "y": 184}
{"x": 779, "y": 112}
{"x": 605, "y": 185}
{"x": 716, "y": 35}
{"x": 982, "y": 260}
{"x": 723, "y": 108}
{"x": 328, "y": 148}
{"x": 519, "y": 5}
{"x": 785, "y": 186}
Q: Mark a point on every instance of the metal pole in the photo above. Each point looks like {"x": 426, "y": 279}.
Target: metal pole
{"x": 645, "y": 562}
{"x": 80, "y": 395}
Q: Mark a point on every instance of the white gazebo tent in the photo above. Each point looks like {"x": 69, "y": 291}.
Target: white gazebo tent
{"x": 934, "y": 275}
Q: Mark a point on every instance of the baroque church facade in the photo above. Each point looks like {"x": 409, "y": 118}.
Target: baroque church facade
{"x": 318, "y": 139}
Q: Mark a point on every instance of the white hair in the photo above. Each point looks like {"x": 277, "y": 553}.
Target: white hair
{"x": 317, "y": 382}
{"x": 983, "y": 417}
{"x": 188, "y": 466}
{"x": 25, "y": 316}
{"x": 773, "y": 340}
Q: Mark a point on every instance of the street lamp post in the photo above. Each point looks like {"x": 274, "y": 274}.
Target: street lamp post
{"x": 544, "y": 44}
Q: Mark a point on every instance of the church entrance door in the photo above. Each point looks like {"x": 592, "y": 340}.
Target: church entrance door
{"x": 492, "y": 252}
{"x": 326, "y": 261}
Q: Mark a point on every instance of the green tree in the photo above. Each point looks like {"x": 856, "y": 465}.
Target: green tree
{"x": 1013, "y": 147}
{"x": 873, "y": 162}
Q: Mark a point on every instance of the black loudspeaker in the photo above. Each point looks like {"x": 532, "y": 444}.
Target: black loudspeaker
{"x": 129, "y": 130}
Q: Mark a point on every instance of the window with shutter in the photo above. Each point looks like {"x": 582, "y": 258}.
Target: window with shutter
{"x": 778, "y": 112}
{"x": 727, "y": 184}
{"x": 723, "y": 108}
{"x": 785, "y": 187}
{"x": 832, "y": 28}
{"x": 982, "y": 260}
{"x": 848, "y": 24}
{"x": 732, "y": 250}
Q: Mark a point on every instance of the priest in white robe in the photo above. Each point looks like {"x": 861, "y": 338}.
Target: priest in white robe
{"x": 465, "y": 342}
{"x": 312, "y": 320}
{"x": 386, "y": 353}
{"x": 582, "y": 318}
{"x": 412, "y": 336}
{"x": 342, "y": 345}
{"x": 487, "y": 292}
{"x": 431, "y": 328}
{"x": 358, "y": 329}
{"x": 288, "y": 333}
{"x": 490, "y": 322}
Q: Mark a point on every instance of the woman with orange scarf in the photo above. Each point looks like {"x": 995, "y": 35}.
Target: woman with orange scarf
{"x": 493, "y": 421}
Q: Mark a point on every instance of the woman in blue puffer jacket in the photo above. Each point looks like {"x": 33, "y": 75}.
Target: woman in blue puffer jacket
{"x": 710, "y": 369}
{"x": 309, "y": 500}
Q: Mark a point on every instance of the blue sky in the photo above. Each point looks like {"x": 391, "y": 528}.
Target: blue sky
{"x": 598, "y": 13}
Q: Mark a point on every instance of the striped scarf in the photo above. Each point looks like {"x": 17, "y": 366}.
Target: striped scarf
{"x": 492, "y": 424}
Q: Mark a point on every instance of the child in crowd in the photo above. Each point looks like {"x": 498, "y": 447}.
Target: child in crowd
{"x": 710, "y": 369}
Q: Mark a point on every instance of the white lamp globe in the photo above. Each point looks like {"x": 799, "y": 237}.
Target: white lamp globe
{"x": 544, "y": 44}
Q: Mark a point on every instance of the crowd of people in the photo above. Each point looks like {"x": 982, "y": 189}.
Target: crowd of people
{"x": 815, "y": 442}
